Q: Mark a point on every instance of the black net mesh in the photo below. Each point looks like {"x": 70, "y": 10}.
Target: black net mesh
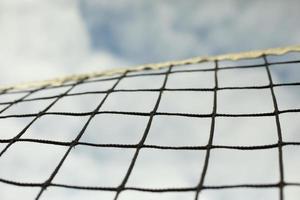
{"x": 212, "y": 130}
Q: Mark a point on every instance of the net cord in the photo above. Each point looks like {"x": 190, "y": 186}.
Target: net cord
{"x": 155, "y": 66}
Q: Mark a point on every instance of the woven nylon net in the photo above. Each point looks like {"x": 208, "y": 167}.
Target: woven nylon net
{"x": 212, "y": 130}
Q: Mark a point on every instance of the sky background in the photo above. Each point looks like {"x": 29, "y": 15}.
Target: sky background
{"x": 49, "y": 38}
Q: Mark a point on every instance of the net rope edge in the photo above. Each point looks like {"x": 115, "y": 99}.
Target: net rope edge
{"x": 155, "y": 66}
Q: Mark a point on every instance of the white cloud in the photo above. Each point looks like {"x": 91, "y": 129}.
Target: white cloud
{"x": 42, "y": 39}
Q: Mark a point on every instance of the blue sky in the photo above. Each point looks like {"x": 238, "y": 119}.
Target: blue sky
{"x": 151, "y": 31}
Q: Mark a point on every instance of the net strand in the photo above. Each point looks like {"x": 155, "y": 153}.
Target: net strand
{"x": 173, "y": 189}
{"x": 150, "y": 90}
{"x": 279, "y": 132}
{"x": 265, "y": 114}
{"x": 134, "y": 146}
{"x": 211, "y": 135}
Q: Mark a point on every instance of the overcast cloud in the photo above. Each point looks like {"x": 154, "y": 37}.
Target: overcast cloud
{"x": 49, "y": 38}
{"x": 43, "y": 39}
